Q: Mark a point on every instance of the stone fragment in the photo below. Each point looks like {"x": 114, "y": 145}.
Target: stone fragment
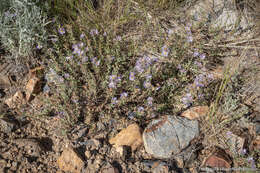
{"x": 219, "y": 159}
{"x": 129, "y": 136}
{"x": 31, "y": 146}
{"x": 195, "y": 112}
{"x": 235, "y": 143}
{"x": 69, "y": 161}
{"x": 16, "y": 100}
{"x": 160, "y": 167}
{"x": 169, "y": 135}
{"x": 4, "y": 82}
{"x": 32, "y": 87}
{"x": 255, "y": 145}
{"x": 6, "y": 126}
{"x": 109, "y": 169}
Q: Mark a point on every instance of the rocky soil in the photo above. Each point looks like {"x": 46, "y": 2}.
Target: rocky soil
{"x": 167, "y": 143}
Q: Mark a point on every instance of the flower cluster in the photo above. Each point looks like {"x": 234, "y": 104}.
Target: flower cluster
{"x": 149, "y": 101}
{"x": 94, "y": 32}
{"x": 187, "y": 99}
{"x": 144, "y": 63}
{"x": 147, "y": 82}
{"x": 189, "y": 34}
{"x": 113, "y": 80}
{"x": 165, "y": 51}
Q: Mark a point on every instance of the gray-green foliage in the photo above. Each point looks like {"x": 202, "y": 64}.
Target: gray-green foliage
{"x": 22, "y": 27}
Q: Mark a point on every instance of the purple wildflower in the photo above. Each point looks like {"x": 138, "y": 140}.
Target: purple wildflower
{"x": 195, "y": 54}
{"x": 54, "y": 40}
{"x": 66, "y": 75}
{"x": 95, "y": 61}
{"x": 114, "y": 100}
{"x": 150, "y": 101}
{"x": 132, "y": 76}
{"x": 187, "y": 99}
{"x": 229, "y": 133}
{"x": 123, "y": 95}
{"x": 243, "y": 151}
{"x": 199, "y": 80}
{"x": 105, "y": 34}
{"x": 139, "y": 68}
{"x": 61, "y": 31}
{"x": 39, "y": 46}
{"x": 202, "y": 56}
{"x": 112, "y": 84}
{"x": 198, "y": 64}
{"x": 140, "y": 109}
{"x": 252, "y": 161}
{"x": 82, "y": 35}
{"x": 165, "y": 51}
{"x": 147, "y": 84}
{"x": 190, "y": 39}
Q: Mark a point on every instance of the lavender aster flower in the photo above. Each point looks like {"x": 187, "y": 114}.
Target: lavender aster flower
{"x": 150, "y": 101}
{"x": 187, "y": 100}
{"x": 82, "y": 35}
{"x": 195, "y": 54}
{"x": 61, "y": 31}
{"x": 112, "y": 85}
{"x": 202, "y": 56}
{"x": 132, "y": 76}
{"x": 123, "y": 95}
{"x": 147, "y": 84}
{"x": 114, "y": 100}
{"x": 189, "y": 39}
{"x": 39, "y": 46}
{"x": 140, "y": 109}
{"x": 165, "y": 51}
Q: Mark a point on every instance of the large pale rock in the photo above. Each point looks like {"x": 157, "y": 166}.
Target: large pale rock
{"x": 219, "y": 14}
{"x": 69, "y": 161}
{"x": 169, "y": 135}
{"x": 129, "y": 136}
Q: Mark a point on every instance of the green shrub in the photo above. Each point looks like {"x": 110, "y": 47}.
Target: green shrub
{"x": 22, "y": 28}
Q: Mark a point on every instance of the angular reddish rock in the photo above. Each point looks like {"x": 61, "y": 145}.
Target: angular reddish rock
{"x": 69, "y": 161}
{"x": 219, "y": 159}
{"x": 130, "y": 136}
{"x": 195, "y": 112}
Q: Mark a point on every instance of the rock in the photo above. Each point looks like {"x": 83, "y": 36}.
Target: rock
{"x": 255, "y": 145}
{"x": 169, "y": 135}
{"x": 195, "y": 112}
{"x": 32, "y": 87}
{"x": 219, "y": 14}
{"x": 109, "y": 169}
{"x": 16, "y": 100}
{"x": 6, "y": 126}
{"x": 219, "y": 159}
{"x": 129, "y": 136}
{"x": 92, "y": 144}
{"x": 160, "y": 167}
{"x": 69, "y": 161}
{"x": 31, "y": 146}
{"x": 235, "y": 143}
{"x": 4, "y": 82}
